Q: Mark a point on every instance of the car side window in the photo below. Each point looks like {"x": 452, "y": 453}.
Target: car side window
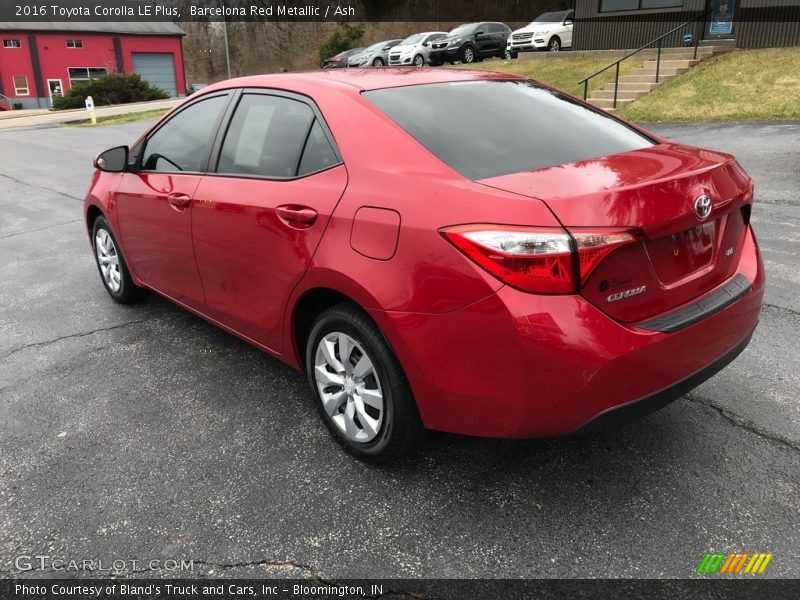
{"x": 266, "y": 137}
{"x": 183, "y": 142}
{"x": 318, "y": 154}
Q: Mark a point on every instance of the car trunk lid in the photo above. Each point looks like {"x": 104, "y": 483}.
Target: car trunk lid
{"x": 681, "y": 253}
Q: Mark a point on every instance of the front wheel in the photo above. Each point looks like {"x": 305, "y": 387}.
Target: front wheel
{"x": 555, "y": 44}
{"x": 419, "y": 60}
{"x": 112, "y": 266}
{"x": 378, "y": 62}
{"x": 468, "y": 55}
{"x": 362, "y": 393}
{"x": 508, "y": 55}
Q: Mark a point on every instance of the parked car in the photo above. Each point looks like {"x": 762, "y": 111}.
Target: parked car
{"x": 340, "y": 60}
{"x": 415, "y": 49}
{"x": 376, "y": 55}
{"x": 5, "y": 103}
{"x": 461, "y": 251}
{"x": 470, "y": 43}
{"x": 549, "y": 31}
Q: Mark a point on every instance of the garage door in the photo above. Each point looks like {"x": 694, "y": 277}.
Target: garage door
{"x": 157, "y": 68}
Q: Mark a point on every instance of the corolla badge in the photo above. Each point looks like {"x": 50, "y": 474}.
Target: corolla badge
{"x": 627, "y": 293}
{"x": 702, "y": 207}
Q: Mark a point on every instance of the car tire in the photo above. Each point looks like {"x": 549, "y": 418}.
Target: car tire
{"x": 111, "y": 265}
{"x": 508, "y": 55}
{"x": 468, "y": 55}
{"x": 378, "y": 62}
{"x": 419, "y": 60}
{"x": 381, "y": 429}
{"x": 554, "y": 45}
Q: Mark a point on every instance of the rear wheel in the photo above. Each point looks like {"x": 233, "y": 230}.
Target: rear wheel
{"x": 468, "y": 55}
{"x": 112, "y": 266}
{"x": 362, "y": 393}
{"x": 419, "y": 60}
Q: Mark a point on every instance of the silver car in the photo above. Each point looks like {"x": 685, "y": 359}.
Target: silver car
{"x": 415, "y": 49}
{"x": 376, "y": 55}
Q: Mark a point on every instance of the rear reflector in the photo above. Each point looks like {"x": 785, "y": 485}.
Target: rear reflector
{"x": 541, "y": 260}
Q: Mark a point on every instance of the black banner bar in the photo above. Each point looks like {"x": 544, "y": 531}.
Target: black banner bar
{"x": 709, "y": 588}
{"x": 508, "y": 11}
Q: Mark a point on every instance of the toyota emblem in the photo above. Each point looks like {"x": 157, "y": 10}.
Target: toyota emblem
{"x": 702, "y": 207}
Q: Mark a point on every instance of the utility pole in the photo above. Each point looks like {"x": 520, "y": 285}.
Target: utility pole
{"x": 225, "y": 35}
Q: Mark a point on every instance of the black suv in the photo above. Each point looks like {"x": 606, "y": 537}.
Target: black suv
{"x": 470, "y": 43}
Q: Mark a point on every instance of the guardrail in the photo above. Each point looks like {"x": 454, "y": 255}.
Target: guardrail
{"x": 659, "y": 42}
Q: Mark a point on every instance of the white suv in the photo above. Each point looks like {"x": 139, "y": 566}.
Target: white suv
{"x": 551, "y": 31}
{"x": 414, "y": 50}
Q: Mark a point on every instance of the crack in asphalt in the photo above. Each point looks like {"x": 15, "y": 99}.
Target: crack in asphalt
{"x": 43, "y": 187}
{"x": 77, "y": 335}
{"x": 783, "y": 308}
{"x": 11, "y": 235}
{"x": 743, "y": 423}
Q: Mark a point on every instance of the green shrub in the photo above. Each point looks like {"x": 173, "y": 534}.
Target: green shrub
{"x": 111, "y": 89}
{"x": 344, "y": 38}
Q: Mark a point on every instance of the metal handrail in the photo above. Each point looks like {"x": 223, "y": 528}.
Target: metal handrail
{"x": 658, "y": 40}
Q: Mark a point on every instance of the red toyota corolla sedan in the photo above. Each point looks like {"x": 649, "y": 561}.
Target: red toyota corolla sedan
{"x": 451, "y": 250}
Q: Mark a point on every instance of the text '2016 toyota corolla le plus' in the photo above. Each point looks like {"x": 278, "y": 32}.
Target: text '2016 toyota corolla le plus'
{"x": 450, "y": 250}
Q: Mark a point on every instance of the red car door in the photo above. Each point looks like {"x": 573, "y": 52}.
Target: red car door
{"x": 259, "y": 218}
{"x": 153, "y": 203}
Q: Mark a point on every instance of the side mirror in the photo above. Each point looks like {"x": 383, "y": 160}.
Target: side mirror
{"x": 477, "y": 33}
{"x": 112, "y": 161}
{"x": 568, "y": 21}
{"x": 426, "y": 43}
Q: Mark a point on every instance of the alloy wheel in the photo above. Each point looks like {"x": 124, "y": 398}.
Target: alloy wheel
{"x": 108, "y": 259}
{"x": 555, "y": 46}
{"x": 349, "y": 387}
{"x": 419, "y": 61}
{"x": 469, "y": 55}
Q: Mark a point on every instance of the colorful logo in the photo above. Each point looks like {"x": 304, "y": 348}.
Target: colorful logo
{"x": 734, "y": 563}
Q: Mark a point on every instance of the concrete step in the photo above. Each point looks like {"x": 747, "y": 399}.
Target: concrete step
{"x": 640, "y": 79}
{"x": 621, "y": 94}
{"x": 669, "y": 64}
{"x": 661, "y": 73}
{"x": 633, "y": 86}
{"x": 609, "y": 103}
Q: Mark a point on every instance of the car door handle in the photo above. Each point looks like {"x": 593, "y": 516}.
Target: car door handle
{"x": 299, "y": 217}
{"x": 179, "y": 201}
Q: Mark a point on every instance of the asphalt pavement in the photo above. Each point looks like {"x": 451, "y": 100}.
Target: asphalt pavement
{"x": 144, "y": 433}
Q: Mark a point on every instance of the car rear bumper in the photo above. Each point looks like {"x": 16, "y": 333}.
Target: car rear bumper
{"x": 519, "y": 365}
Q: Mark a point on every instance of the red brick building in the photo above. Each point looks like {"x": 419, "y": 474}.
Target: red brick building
{"x": 40, "y": 60}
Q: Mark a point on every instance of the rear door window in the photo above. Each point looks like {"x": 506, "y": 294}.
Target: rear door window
{"x": 485, "y": 129}
{"x": 266, "y": 137}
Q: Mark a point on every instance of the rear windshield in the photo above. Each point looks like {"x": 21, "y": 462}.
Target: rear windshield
{"x": 489, "y": 128}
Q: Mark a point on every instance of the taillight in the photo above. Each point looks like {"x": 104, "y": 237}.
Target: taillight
{"x": 543, "y": 260}
{"x": 595, "y": 244}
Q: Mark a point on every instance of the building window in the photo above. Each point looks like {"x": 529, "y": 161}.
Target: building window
{"x": 77, "y": 75}
{"x": 617, "y": 5}
{"x": 12, "y": 44}
{"x": 74, "y": 43}
{"x": 21, "y": 86}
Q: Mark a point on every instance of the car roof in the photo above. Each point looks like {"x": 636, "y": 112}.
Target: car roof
{"x": 361, "y": 79}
